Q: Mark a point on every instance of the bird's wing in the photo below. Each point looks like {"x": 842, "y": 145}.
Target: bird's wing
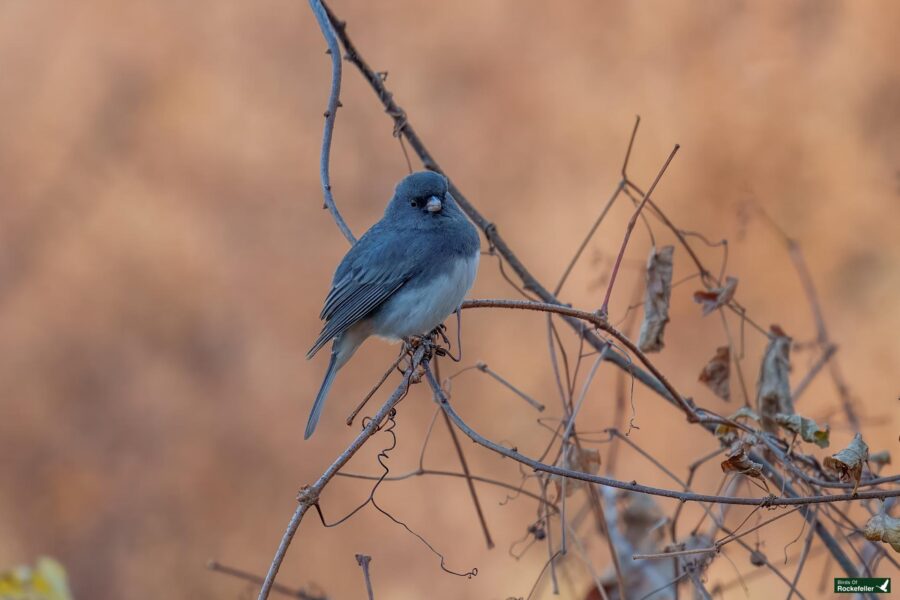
{"x": 370, "y": 273}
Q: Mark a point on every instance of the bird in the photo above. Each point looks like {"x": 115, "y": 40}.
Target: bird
{"x": 402, "y": 278}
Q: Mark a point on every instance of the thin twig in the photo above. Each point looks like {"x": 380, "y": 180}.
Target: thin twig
{"x": 548, "y": 535}
{"x": 496, "y": 241}
{"x": 485, "y": 369}
{"x": 423, "y": 472}
{"x": 330, "y": 115}
{"x": 634, "y": 486}
{"x": 804, "y": 554}
{"x": 531, "y": 284}
{"x": 735, "y": 357}
{"x": 822, "y": 337}
{"x": 582, "y": 554}
{"x": 718, "y": 543}
{"x": 471, "y": 485}
{"x": 604, "y": 308}
{"x": 373, "y": 390}
{"x": 813, "y": 371}
{"x": 363, "y": 561}
{"x": 309, "y": 495}
{"x": 599, "y": 322}
{"x": 587, "y": 238}
{"x": 214, "y": 565}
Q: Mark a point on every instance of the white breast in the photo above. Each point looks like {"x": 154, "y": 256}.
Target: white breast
{"x": 416, "y": 310}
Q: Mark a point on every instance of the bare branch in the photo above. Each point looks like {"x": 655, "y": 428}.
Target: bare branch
{"x": 634, "y": 486}
{"x": 309, "y": 495}
{"x": 530, "y": 283}
{"x": 469, "y": 482}
{"x": 599, "y": 322}
{"x": 330, "y": 115}
{"x": 486, "y": 369}
{"x": 214, "y": 565}
{"x": 604, "y": 308}
{"x": 363, "y": 561}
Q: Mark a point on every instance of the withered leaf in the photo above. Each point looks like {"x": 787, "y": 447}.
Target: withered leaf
{"x": 738, "y": 461}
{"x": 807, "y": 429}
{"x": 656, "y": 299}
{"x": 584, "y": 460}
{"x": 880, "y": 458}
{"x": 773, "y": 389}
{"x": 729, "y": 434}
{"x": 849, "y": 461}
{"x": 713, "y": 299}
{"x": 757, "y": 558}
{"x": 882, "y": 527}
{"x": 641, "y": 517}
{"x": 717, "y": 372}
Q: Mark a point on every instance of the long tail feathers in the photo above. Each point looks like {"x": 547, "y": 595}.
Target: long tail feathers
{"x": 320, "y": 397}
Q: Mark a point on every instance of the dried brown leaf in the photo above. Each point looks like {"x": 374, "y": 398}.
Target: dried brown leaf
{"x": 757, "y": 558}
{"x": 717, "y": 373}
{"x": 656, "y": 299}
{"x": 807, "y": 429}
{"x": 738, "y": 461}
{"x": 715, "y": 298}
{"x": 729, "y": 434}
{"x": 773, "y": 389}
{"x": 641, "y": 513}
{"x": 882, "y": 527}
{"x": 849, "y": 461}
{"x": 584, "y": 460}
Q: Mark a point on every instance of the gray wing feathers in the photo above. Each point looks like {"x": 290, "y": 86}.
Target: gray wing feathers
{"x": 357, "y": 302}
{"x": 374, "y": 268}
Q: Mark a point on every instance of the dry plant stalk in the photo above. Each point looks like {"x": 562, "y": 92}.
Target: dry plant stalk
{"x": 758, "y": 447}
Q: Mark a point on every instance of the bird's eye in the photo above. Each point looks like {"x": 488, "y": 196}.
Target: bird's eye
{"x": 414, "y": 203}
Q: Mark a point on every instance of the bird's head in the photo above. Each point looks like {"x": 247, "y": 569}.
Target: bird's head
{"x": 422, "y": 195}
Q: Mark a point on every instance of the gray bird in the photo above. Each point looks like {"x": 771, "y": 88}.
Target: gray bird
{"x": 403, "y": 277}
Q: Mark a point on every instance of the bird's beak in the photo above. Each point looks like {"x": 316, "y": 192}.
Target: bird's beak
{"x": 434, "y": 205}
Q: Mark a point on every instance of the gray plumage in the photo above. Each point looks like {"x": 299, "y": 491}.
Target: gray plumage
{"x": 402, "y": 278}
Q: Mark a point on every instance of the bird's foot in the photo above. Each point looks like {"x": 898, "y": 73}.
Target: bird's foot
{"x": 412, "y": 342}
{"x": 428, "y": 343}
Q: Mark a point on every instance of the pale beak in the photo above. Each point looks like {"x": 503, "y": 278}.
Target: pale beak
{"x": 433, "y": 205}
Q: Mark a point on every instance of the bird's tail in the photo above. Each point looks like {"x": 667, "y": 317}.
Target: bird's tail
{"x": 320, "y": 397}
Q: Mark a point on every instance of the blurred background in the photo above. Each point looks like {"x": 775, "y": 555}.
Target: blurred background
{"x": 164, "y": 255}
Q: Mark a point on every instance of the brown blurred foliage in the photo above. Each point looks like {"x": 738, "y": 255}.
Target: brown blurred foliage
{"x": 163, "y": 256}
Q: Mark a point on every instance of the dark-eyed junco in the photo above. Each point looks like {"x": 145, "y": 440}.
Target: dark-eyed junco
{"x": 402, "y": 278}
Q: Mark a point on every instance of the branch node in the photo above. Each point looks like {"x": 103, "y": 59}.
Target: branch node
{"x": 308, "y": 495}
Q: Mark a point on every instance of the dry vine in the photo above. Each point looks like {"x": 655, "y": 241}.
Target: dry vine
{"x": 761, "y": 448}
